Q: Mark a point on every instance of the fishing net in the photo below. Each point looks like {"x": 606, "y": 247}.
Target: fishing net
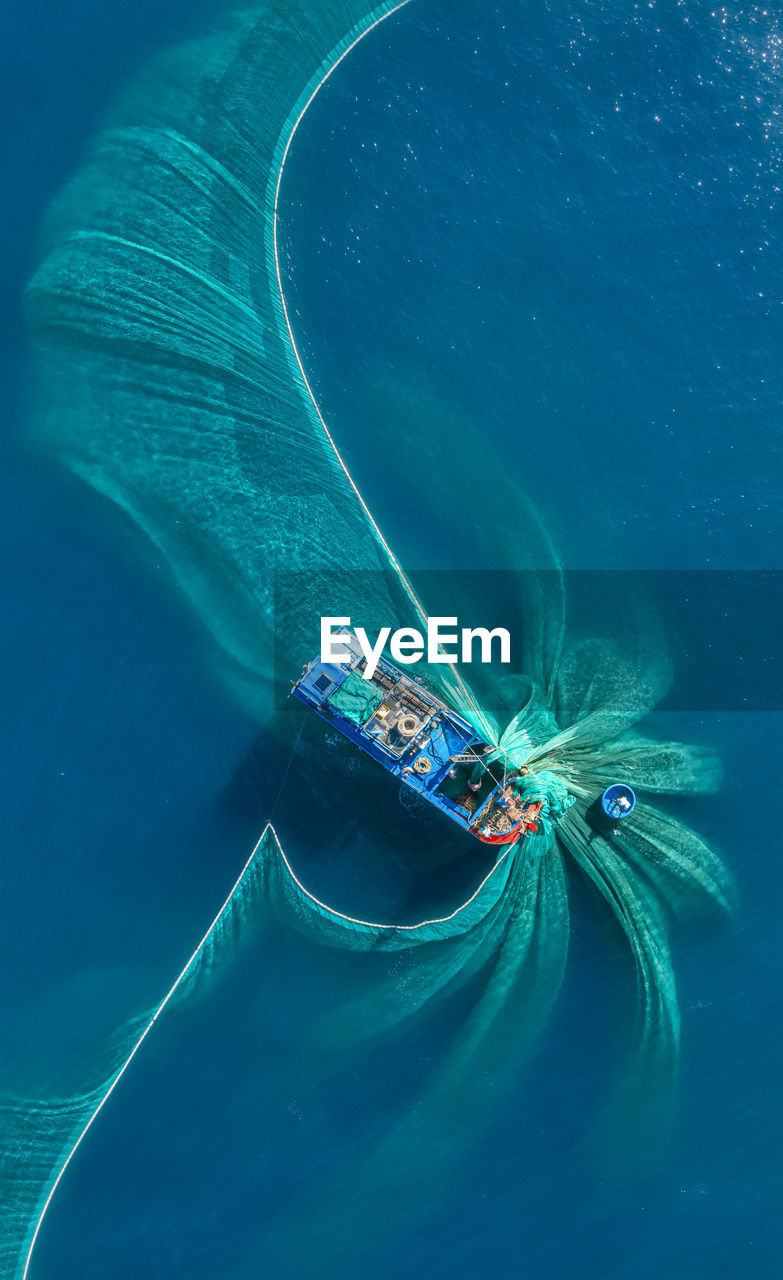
{"x": 356, "y": 699}
{"x": 169, "y": 380}
{"x": 170, "y": 384}
{"x": 40, "y": 1136}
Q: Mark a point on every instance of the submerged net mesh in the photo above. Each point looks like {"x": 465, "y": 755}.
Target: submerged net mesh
{"x": 171, "y": 385}
{"x": 170, "y": 382}
{"x": 39, "y": 1137}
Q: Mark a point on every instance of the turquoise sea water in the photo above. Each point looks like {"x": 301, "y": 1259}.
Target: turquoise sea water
{"x": 495, "y": 251}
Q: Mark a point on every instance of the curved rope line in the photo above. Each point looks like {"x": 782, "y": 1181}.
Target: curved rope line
{"x": 409, "y": 589}
{"x": 343, "y": 465}
{"x": 370, "y": 924}
{"x": 183, "y": 974}
{"x": 134, "y": 1050}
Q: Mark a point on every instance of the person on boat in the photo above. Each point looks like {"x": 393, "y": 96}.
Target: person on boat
{"x": 531, "y": 814}
{"x": 509, "y": 801}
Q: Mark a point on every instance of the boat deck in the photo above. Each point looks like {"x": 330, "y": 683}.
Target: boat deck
{"x": 412, "y": 733}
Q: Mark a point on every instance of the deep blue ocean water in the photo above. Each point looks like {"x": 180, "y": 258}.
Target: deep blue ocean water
{"x": 552, "y": 229}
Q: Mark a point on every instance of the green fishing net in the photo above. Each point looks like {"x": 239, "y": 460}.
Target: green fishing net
{"x": 356, "y": 699}
{"x": 170, "y": 384}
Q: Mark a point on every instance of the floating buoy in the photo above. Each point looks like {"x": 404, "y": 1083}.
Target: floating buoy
{"x": 618, "y": 801}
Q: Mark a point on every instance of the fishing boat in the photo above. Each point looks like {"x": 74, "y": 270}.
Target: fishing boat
{"x": 419, "y": 739}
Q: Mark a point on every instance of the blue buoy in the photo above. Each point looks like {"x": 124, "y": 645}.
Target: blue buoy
{"x": 618, "y": 801}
